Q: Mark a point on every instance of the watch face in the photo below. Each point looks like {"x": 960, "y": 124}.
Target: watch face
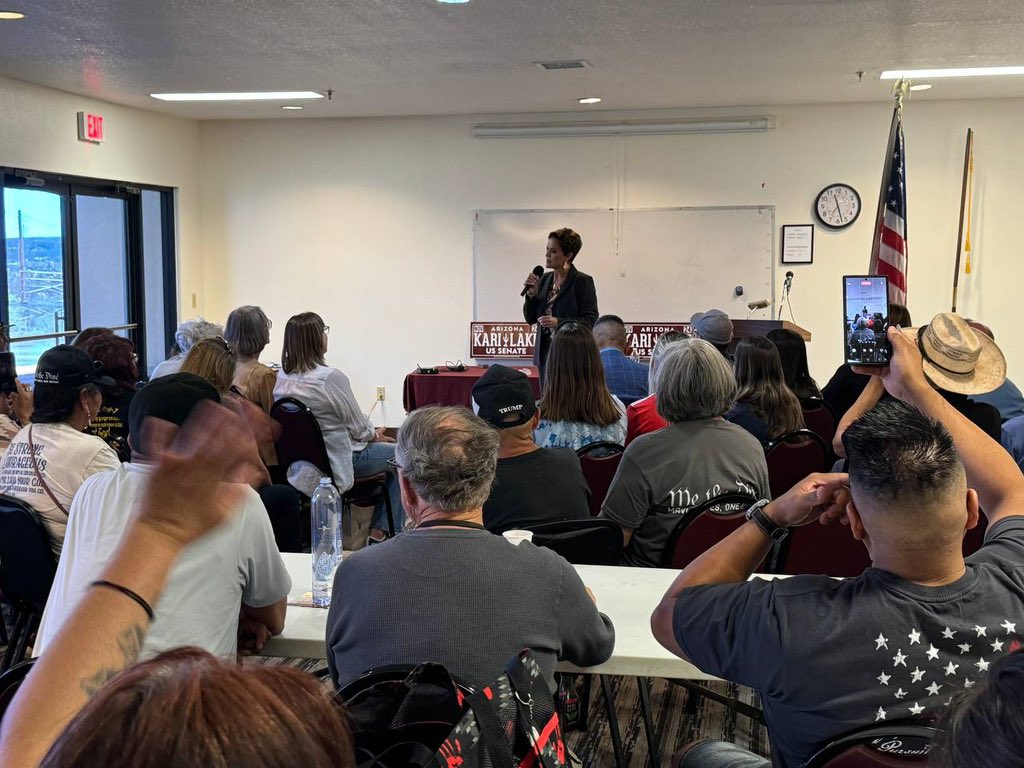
{"x": 837, "y": 206}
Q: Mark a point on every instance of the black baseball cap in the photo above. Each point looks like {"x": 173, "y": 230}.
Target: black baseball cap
{"x": 504, "y": 397}
{"x": 170, "y": 398}
{"x": 60, "y": 373}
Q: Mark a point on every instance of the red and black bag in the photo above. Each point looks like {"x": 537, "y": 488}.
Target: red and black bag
{"x": 427, "y": 721}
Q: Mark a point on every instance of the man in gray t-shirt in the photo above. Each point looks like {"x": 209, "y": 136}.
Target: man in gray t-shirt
{"x": 666, "y": 473}
{"x": 922, "y": 624}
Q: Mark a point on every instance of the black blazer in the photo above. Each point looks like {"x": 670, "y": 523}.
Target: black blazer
{"x": 576, "y": 301}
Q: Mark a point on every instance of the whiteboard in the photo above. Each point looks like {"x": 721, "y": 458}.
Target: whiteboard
{"x": 649, "y": 265}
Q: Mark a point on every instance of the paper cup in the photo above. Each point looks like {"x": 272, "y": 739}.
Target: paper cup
{"x": 518, "y": 536}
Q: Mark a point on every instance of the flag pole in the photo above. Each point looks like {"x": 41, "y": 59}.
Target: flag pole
{"x": 968, "y": 150}
{"x": 900, "y": 90}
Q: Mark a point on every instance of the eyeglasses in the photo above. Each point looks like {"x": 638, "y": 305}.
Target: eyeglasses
{"x": 394, "y": 466}
{"x": 327, "y": 330}
{"x": 222, "y": 340}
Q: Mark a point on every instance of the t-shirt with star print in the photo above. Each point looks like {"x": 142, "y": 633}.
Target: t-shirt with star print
{"x": 832, "y": 655}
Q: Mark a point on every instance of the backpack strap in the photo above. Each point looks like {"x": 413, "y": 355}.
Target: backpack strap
{"x": 39, "y": 475}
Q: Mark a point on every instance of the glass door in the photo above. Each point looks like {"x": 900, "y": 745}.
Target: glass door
{"x": 36, "y": 288}
{"x": 101, "y": 262}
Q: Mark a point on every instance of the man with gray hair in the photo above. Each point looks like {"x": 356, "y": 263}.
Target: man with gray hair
{"x": 665, "y": 474}
{"x": 446, "y": 589}
{"x": 189, "y": 333}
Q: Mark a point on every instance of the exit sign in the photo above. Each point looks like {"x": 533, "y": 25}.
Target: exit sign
{"x": 90, "y": 127}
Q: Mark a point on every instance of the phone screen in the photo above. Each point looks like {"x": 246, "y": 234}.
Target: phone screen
{"x": 866, "y": 319}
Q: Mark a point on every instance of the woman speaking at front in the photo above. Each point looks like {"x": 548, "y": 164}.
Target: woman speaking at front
{"x": 564, "y": 293}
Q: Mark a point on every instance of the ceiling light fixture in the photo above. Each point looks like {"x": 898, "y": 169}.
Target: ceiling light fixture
{"x": 921, "y": 87}
{"x": 590, "y": 100}
{"x": 910, "y": 74}
{"x": 292, "y": 106}
{"x": 453, "y": 2}
{"x": 239, "y": 96}
{"x": 648, "y": 128}
{"x": 11, "y": 15}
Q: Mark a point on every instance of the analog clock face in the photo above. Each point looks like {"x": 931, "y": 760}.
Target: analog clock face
{"x": 837, "y": 206}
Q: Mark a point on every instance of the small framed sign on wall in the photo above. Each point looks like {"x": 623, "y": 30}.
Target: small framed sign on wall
{"x": 797, "y": 243}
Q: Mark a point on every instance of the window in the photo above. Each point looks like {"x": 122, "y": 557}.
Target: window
{"x": 85, "y": 252}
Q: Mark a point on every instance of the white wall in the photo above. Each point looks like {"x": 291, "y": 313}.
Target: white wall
{"x": 369, "y": 222}
{"x": 39, "y": 131}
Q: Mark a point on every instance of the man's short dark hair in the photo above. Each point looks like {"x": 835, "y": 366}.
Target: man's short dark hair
{"x": 609, "y": 319}
{"x": 896, "y": 452}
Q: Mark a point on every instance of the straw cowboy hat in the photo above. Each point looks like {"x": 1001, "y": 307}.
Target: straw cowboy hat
{"x": 956, "y": 357}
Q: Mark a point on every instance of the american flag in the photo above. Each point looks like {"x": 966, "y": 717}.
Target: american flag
{"x": 889, "y": 247}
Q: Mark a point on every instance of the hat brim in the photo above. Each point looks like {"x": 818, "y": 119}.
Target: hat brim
{"x": 989, "y": 373}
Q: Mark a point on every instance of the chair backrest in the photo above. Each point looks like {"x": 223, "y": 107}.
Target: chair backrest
{"x": 390, "y": 673}
{"x": 819, "y": 418}
{"x": 299, "y": 438}
{"x": 27, "y": 565}
{"x": 898, "y": 744}
{"x": 792, "y": 457}
{"x": 829, "y": 550}
{"x": 581, "y": 542}
{"x": 704, "y": 526}
{"x": 10, "y": 681}
{"x": 599, "y": 461}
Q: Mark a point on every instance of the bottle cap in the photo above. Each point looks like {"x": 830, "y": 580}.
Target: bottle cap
{"x": 325, "y": 481}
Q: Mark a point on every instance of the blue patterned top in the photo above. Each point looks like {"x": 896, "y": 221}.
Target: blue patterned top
{"x": 576, "y": 434}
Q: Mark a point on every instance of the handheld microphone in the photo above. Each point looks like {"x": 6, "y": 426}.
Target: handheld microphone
{"x": 760, "y": 304}
{"x": 789, "y": 280}
{"x": 538, "y": 271}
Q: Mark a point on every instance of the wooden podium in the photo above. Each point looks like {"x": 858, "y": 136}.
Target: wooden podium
{"x": 743, "y": 328}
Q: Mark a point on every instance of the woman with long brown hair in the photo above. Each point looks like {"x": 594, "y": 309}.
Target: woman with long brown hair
{"x": 354, "y": 447}
{"x": 576, "y": 408}
{"x": 765, "y": 406}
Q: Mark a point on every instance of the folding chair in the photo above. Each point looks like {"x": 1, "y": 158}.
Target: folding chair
{"x": 27, "y": 568}
{"x": 581, "y": 542}
{"x": 792, "y": 457}
{"x": 701, "y": 528}
{"x": 898, "y": 744}
{"x": 300, "y": 439}
{"x": 820, "y": 418}
{"x": 599, "y": 461}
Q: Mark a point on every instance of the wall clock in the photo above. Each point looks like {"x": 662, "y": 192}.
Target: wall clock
{"x": 837, "y": 206}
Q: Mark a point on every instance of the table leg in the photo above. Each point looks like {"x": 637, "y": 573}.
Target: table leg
{"x": 613, "y": 721}
{"x": 653, "y": 756}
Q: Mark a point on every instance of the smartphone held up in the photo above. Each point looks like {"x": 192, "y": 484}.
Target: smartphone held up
{"x": 866, "y": 320}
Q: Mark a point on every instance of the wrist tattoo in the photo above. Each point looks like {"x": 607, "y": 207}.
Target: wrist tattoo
{"x": 129, "y": 643}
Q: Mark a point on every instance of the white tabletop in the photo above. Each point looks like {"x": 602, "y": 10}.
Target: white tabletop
{"x": 627, "y": 596}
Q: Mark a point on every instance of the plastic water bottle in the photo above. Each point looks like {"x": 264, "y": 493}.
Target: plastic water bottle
{"x": 325, "y": 514}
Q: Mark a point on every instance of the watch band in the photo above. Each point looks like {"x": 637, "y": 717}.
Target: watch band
{"x": 760, "y": 519}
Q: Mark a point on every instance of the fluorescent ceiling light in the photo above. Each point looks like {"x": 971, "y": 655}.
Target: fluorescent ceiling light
{"x": 590, "y": 100}
{"x": 910, "y": 74}
{"x": 11, "y": 15}
{"x": 921, "y": 87}
{"x": 241, "y": 96}
{"x": 292, "y": 106}
{"x": 453, "y": 2}
{"x": 648, "y": 128}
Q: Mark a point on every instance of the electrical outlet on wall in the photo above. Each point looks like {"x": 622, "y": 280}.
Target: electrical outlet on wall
{"x": 380, "y": 394}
